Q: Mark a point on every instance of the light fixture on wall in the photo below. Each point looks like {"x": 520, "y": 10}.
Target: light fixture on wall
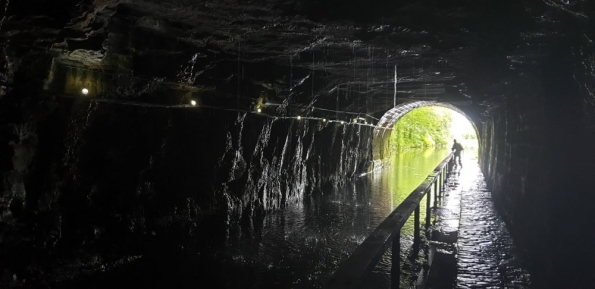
{"x": 193, "y": 102}
{"x": 85, "y": 91}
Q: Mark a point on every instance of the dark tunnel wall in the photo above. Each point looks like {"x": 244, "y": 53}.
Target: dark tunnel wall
{"x": 92, "y": 181}
{"x": 538, "y": 160}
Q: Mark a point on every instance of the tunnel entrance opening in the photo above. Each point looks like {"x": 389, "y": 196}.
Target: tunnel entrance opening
{"x": 415, "y": 130}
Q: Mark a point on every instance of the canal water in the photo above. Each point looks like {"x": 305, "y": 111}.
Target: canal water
{"x": 299, "y": 247}
{"x": 302, "y": 246}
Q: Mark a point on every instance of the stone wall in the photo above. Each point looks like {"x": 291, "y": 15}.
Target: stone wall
{"x": 90, "y": 182}
{"x": 516, "y": 165}
{"x": 538, "y": 161}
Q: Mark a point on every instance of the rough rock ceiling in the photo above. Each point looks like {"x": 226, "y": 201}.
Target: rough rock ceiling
{"x": 303, "y": 55}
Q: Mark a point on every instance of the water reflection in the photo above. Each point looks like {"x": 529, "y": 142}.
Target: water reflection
{"x": 302, "y": 246}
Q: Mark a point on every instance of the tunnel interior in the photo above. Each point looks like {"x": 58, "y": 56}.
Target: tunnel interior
{"x": 201, "y": 118}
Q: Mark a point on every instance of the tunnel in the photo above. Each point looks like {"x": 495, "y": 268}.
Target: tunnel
{"x": 141, "y": 132}
{"x": 386, "y": 123}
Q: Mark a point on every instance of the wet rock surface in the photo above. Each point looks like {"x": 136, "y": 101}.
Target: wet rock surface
{"x": 473, "y": 248}
{"x": 76, "y": 189}
{"x": 442, "y": 268}
{"x": 95, "y": 186}
{"x": 487, "y": 256}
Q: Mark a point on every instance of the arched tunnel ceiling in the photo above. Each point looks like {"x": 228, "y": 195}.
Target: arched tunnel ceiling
{"x": 334, "y": 55}
{"x": 388, "y": 120}
{"x": 394, "y": 114}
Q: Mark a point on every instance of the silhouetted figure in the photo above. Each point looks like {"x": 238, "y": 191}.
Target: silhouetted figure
{"x": 457, "y": 148}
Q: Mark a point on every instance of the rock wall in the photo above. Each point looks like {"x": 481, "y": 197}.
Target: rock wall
{"x": 90, "y": 181}
{"x": 538, "y": 160}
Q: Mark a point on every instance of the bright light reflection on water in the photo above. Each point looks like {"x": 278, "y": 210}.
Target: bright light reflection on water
{"x": 303, "y": 245}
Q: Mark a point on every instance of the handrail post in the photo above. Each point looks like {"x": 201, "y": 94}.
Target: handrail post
{"x": 428, "y": 208}
{"x": 441, "y": 184}
{"x": 396, "y": 262}
{"x": 440, "y": 178}
{"x": 445, "y": 179}
{"x": 416, "y": 237}
{"x": 436, "y": 194}
{"x": 439, "y": 181}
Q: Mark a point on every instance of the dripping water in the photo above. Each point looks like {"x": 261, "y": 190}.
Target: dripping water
{"x": 187, "y": 74}
{"x": 395, "y": 88}
{"x": 5, "y": 14}
{"x": 76, "y": 128}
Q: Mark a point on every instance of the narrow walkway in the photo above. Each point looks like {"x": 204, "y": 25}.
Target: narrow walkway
{"x": 471, "y": 246}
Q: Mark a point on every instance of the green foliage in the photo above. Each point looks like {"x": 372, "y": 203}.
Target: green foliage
{"x": 422, "y": 128}
{"x": 470, "y": 136}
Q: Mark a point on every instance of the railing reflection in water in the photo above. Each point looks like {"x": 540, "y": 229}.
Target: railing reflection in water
{"x": 352, "y": 272}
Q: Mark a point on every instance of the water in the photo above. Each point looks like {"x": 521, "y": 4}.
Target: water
{"x": 299, "y": 247}
{"x": 302, "y": 246}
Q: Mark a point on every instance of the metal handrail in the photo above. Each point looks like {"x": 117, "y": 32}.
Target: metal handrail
{"x": 352, "y": 271}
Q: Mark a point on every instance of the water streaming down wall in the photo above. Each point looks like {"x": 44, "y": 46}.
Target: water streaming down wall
{"x": 288, "y": 158}
{"x": 124, "y": 173}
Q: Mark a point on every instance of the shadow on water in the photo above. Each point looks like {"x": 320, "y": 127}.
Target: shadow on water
{"x": 299, "y": 247}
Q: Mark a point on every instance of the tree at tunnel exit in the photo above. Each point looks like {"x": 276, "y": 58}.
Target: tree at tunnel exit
{"x": 424, "y": 127}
